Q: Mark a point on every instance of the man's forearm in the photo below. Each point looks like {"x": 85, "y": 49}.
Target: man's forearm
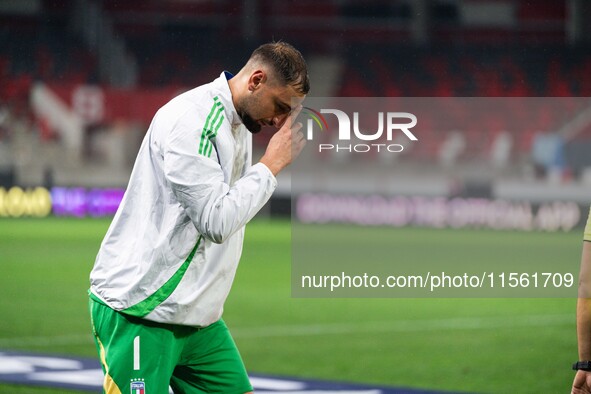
{"x": 584, "y": 328}
{"x": 584, "y": 305}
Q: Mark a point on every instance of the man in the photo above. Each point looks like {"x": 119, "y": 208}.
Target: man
{"x": 167, "y": 262}
{"x": 582, "y": 381}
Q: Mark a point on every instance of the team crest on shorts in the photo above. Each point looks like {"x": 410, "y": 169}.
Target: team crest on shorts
{"x": 138, "y": 386}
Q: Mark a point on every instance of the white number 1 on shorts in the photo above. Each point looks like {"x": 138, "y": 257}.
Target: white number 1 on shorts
{"x": 136, "y": 353}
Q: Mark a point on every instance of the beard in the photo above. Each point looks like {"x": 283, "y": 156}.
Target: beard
{"x": 252, "y": 125}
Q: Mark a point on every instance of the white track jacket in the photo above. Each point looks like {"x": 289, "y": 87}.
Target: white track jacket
{"x": 171, "y": 252}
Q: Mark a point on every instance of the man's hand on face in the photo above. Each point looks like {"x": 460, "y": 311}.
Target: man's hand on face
{"x": 285, "y": 145}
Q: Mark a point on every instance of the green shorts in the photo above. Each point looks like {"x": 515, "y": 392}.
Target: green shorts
{"x": 140, "y": 356}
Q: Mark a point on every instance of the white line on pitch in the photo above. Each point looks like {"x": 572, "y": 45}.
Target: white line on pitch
{"x": 41, "y": 341}
{"x": 460, "y": 323}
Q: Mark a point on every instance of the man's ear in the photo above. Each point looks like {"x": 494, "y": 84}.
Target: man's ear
{"x": 256, "y": 78}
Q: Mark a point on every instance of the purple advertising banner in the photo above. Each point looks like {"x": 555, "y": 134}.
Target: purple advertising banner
{"x": 81, "y": 202}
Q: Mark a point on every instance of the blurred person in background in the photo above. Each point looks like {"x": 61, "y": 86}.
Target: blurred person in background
{"x": 582, "y": 381}
{"x": 168, "y": 260}
{"x": 548, "y": 156}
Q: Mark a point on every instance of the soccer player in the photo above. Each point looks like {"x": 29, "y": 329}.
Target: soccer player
{"x": 167, "y": 262}
{"x": 582, "y": 381}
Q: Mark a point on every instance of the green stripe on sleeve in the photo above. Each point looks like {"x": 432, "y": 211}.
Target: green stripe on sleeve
{"x": 206, "y": 128}
{"x": 146, "y": 306}
{"x": 215, "y": 111}
{"x": 215, "y": 133}
{"x": 211, "y": 131}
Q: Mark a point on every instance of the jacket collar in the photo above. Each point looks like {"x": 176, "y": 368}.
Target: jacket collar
{"x": 221, "y": 84}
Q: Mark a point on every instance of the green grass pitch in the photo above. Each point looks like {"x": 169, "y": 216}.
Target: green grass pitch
{"x": 473, "y": 345}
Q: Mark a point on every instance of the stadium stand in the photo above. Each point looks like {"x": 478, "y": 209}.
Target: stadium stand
{"x": 473, "y": 71}
{"x": 467, "y": 71}
{"x": 180, "y": 44}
